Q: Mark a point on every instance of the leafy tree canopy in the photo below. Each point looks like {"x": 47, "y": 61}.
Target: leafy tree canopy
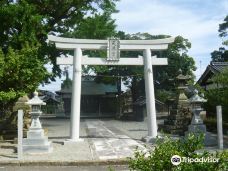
{"x": 21, "y": 71}
{"x": 221, "y": 78}
{"x": 221, "y": 55}
{"x": 31, "y": 20}
{"x": 223, "y": 30}
{"x": 23, "y": 34}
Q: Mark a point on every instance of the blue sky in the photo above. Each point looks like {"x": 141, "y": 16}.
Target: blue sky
{"x": 196, "y": 20}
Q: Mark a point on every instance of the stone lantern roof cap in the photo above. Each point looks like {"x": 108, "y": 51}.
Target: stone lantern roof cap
{"x": 36, "y": 100}
{"x": 197, "y": 99}
{"x": 183, "y": 77}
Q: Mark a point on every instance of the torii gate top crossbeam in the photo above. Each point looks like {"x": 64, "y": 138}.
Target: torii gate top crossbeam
{"x": 70, "y": 43}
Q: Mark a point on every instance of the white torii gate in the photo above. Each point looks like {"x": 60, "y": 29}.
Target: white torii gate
{"x": 133, "y": 45}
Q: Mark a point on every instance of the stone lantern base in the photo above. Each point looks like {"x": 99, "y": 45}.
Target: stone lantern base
{"x": 197, "y": 128}
{"x": 36, "y": 142}
{"x": 177, "y": 122}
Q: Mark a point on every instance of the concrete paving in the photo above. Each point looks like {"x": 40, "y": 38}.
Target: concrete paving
{"x": 106, "y": 141}
{"x": 111, "y": 143}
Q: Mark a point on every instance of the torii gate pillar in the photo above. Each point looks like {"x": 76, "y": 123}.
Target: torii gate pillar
{"x": 76, "y": 96}
{"x": 150, "y": 98}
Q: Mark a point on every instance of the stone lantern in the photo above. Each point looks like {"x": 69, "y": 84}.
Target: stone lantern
{"x": 182, "y": 100}
{"x": 36, "y": 141}
{"x": 197, "y": 125}
{"x": 36, "y": 112}
{"x": 179, "y": 115}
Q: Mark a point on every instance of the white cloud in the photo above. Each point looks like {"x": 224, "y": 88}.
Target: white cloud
{"x": 159, "y": 18}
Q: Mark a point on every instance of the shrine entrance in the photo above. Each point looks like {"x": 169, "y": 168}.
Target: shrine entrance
{"x": 113, "y": 46}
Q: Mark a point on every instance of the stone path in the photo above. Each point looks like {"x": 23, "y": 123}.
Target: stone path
{"x": 109, "y": 142}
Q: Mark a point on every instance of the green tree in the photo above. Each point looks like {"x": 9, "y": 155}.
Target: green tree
{"x": 178, "y": 58}
{"x": 223, "y": 30}
{"x": 218, "y": 96}
{"x": 21, "y": 72}
{"x": 221, "y": 55}
{"x": 30, "y": 21}
{"x": 97, "y": 26}
{"x": 23, "y": 34}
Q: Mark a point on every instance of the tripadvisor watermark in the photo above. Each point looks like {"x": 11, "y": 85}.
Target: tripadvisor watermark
{"x": 176, "y": 160}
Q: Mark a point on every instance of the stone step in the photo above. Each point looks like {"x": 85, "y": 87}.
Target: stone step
{"x": 38, "y": 149}
{"x": 35, "y": 141}
{"x": 35, "y": 134}
{"x": 176, "y": 122}
{"x": 170, "y": 127}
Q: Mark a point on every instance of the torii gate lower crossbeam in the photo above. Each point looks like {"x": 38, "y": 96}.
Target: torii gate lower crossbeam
{"x": 78, "y": 60}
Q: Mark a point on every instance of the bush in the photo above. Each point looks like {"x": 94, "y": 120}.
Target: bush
{"x": 159, "y": 159}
